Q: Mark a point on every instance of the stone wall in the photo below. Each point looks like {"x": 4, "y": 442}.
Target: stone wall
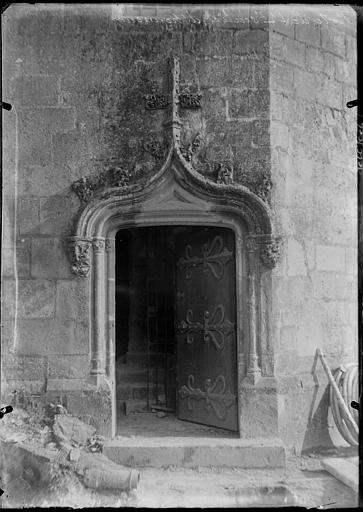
{"x": 314, "y": 173}
{"x": 274, "y": 88}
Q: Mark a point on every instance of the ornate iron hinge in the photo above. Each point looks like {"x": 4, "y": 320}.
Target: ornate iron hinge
{"x": 214, "y": 259}
{"x": 220, "y": 401}
{"x": 213, "y": 328}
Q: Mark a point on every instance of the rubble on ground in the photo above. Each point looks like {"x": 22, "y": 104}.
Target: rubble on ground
{"x": 54, "y": 450}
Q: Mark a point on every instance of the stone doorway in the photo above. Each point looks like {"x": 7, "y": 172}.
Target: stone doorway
{"x": 176, "y": 342}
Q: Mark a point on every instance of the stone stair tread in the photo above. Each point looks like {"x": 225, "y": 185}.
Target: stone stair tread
{"x": 193, "y": 452}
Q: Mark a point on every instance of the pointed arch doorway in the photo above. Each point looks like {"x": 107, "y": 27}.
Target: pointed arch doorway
{"x": 179, "y": 196}
{"x": 176, "y": 330}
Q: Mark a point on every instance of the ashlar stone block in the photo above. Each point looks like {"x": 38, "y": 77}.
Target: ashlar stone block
{"x": 330, "y": 258}
{"x": 49, "y": 259}
{"x": 296, "y": 264}
{"x": 36, "y": 298}
{"x": 36, "y": 91}
{"x": 308, "y": 33}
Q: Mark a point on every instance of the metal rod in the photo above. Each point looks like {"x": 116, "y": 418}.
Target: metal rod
{"x": 332, "y": 382}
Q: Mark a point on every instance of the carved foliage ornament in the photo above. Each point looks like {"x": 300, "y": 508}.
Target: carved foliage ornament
{"x": 271, "y": 251}
{"x": 156, "y": 101}
{"x": 225, "y": 173}
{"x": 85, "y": 187}
{"x": 189, "y": 99}
{"x": 79, "y": 253}
{"x": 156, "y": 148}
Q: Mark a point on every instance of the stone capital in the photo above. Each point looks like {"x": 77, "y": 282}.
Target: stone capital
{"x": 98, "y": 245}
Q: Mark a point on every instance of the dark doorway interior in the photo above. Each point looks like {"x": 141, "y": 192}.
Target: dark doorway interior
{"x": 145, "y": 344}
{"x": 176, "y": 323}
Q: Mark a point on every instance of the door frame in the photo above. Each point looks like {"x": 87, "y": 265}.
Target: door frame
{"x": 178, "y": 195}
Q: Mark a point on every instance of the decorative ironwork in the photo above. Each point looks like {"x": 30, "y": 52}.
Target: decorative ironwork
{"x": 215, "y": 327}
{"x": 214, "y": 259}
{"x": 215, "y": 395}
{"x": 79, "y": 253}
{"x": 156, "y": 101}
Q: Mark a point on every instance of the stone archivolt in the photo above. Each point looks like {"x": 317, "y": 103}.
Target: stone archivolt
{"x": 168, "y": 149}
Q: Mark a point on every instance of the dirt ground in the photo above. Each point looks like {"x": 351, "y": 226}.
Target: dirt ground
{"x": 302, "y": 483}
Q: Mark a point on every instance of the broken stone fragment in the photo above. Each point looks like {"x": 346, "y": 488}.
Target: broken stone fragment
{"x": 99, "y": 472}
{"x": 70, "y": 429}
{"x": 74, "y": 454}
{"x": 161, "y": 414}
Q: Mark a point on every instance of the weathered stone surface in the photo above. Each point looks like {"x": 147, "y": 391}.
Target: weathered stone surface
{"x": 68, "y": 366}
{"x": 34, "y": 334}
{"x": 274, "y": 91}
{"x": 56, "y": 214}
{"x": 32, "y": 91}
{"x": 289, "y": 51}
{"x": 69, "y": 336}
{"x": 38, "y": 180}
{"x": 28, "y": 214}
{"x": 251, "y": 42}
{"x": 191, "y": 452}
{"x": 330, "y": 258}
{"x": 246, "y": 103}
{"x": 332, "y": 39}
{"x": 72, "y": 300}
{"x": 49, "y": 259}
{"x": 308, "y": 33}
{"x": 72, "y": 429}
{"x": 36, "y": 298}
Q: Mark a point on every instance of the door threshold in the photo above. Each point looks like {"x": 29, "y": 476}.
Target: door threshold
{"x": 148, "y": 424}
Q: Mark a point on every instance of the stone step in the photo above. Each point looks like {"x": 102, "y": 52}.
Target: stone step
{"x": 190, "y": 452}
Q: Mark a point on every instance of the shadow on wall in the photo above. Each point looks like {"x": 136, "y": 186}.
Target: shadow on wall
{"x": 317, "y": 430}
{"x": 317, "y": 434}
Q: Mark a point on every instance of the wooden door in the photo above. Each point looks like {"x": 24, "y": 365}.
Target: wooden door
{"x": 206, "y": 327}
